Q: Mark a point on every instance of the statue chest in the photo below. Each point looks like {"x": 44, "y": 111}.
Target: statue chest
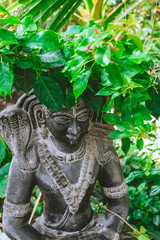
{"x": 69, "y": 179}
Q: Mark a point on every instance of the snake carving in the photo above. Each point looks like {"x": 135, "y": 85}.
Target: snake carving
{"x": 15, "y": 129}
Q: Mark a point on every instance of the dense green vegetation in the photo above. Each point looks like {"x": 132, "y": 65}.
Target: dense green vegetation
{"x": 113, "y": 64}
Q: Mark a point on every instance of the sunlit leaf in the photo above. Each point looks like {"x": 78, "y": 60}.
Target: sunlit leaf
{"x": 27, "y": 26}
{"x": 81, "y": 83}
{"x": 48, "y": 40}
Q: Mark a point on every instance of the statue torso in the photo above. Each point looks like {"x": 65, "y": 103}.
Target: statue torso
{"x": 67, "y": 183}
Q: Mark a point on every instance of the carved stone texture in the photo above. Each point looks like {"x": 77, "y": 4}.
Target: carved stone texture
{"x": 64, "y": 154}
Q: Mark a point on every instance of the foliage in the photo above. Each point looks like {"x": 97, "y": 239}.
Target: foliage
{"x": 54, "y": 15}
{"x": 142, "y": 174}
{"x": 111, "y": 68}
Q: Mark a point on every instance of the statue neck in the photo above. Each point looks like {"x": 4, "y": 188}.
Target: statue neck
{"x": 64, "y": 147}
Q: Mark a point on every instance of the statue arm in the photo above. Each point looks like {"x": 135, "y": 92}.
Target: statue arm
{"x": 115, "y": 190}
{"x": 16, "y": 206}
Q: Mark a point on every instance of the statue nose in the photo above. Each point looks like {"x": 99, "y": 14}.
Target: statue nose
{"x": 74, "y": 129}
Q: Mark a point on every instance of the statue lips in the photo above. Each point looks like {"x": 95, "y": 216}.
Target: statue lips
{"x": 73, "y": 138}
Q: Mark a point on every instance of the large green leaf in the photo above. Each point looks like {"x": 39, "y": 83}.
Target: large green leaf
{"x": 27, "y": 26}
{"x": 24, "y": 79}
{"x": 6, "y": 35}
{"x": 3, "y": 179}
{"x": 6, "y": 79}
{"x": 49, "y": 92}
{"x": 103, "y": 55}
{"x": 48, "y": 40}
{"x": 53, "y": 59}
{"x": 114, "y": 74}
{"x": 81, "y": 83}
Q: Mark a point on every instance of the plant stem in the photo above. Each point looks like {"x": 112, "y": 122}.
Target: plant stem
{"x": 135, "y": 230}
{"x": 35, "y": 206}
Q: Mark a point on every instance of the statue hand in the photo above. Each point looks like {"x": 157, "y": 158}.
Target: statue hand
{"x": 110, "y": 234}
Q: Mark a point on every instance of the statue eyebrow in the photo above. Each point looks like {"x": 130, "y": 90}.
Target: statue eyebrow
{"x": 62, "y": 114}
{"x": 83, "y": 112}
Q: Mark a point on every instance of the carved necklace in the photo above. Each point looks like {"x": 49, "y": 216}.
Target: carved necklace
{"x": 67, "y": 157}
{"x": 73, "y": 193}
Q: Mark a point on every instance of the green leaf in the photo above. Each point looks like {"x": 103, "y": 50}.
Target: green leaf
{"x": 70, "y": 99}
{"x": 28, "y": 25}
{"x": 94, "y": 102}
{"x": 10, "y": 20}
{"x": 6, "y": 35}
{"x": 73, "y": 29}
{"x": 133, "y": 175}
{"x": 156, "y": 220}
{"x": 125, "y": 145}
{"x": 48, "y": 40}
{"x": 83, "y": 45}
{"x": 24, "y": 62}
{"x": 108, "y": 106}
{"x": 137, "y": 41}
{"x": 141, "y": 188}
{"x": 81, "y": 83}
{"x": 24, "y": 79}
{"x": 103, "y": 55}
{"x": 155, "y": 191}
{"x": 123, "y": 126}
{"x": 144, "y": 237}
{"x": 2, "y": 150}
{"x": 114, "y": 74}
{"x": 3, "y": 10}
{"x": 53, "y": 59}
{"x": 115, "y": 134}
{"x": 105, "y": 92}
{"x": 155, "y": 235}
{"x": 154, "y": 104}
{"x": 111, "y": 118}
{"x": 140, "y": 144}
{"x": 49, "y": 92}
{"x": 6, "y": 79}
{"x": 129, "y": 67}
{"x": 139, "y": 57}
{"x": 3, "y": 179}
{"x": 105, "y": 78}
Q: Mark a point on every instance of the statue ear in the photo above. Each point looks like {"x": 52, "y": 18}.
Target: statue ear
{"x": 40, "y": 117}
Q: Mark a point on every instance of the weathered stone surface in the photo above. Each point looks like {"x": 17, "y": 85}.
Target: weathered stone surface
{"x": 64, "y": 153}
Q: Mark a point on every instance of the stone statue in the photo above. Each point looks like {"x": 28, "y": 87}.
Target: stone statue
{"x": 64, "y": 154}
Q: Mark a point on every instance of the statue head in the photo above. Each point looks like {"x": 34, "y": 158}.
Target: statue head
{"x": 68, "y": 127}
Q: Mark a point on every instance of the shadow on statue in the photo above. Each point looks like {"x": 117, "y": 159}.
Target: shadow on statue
{"x": 64, "y": 154}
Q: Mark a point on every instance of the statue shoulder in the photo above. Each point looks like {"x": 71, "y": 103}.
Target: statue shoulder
{"x": 105, "y": 149}
{"x": 106, "y": 152}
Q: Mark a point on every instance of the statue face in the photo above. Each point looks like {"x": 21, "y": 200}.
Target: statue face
{"x": 69, "y": 127}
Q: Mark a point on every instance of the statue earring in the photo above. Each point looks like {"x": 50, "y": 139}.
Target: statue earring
{"x": 42, "y": 129}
